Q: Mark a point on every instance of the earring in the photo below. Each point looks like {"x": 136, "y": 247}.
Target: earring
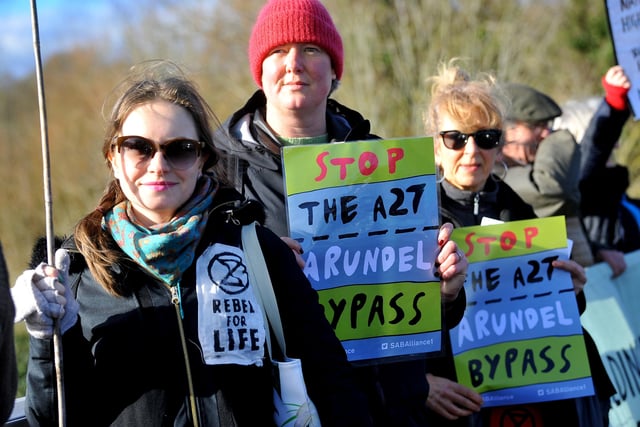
{"x": 499, "y": 176}
{"x": 439, "y": 174}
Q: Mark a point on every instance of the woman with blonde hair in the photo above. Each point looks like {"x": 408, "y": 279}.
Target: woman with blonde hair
{"x": 465, "y": 116}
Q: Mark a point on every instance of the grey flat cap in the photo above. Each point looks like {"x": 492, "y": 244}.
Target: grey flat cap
{"x": 530, "y": 105}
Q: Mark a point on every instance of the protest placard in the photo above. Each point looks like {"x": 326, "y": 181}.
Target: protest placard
{"x": 366, "y": 215}
{"x": 520, "y": 340}
{"x": 613, "y": 320}
{"x": 624, "y": 24}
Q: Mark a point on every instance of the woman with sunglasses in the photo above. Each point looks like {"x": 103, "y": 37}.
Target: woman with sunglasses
{"x": 465, "y": 116}
{"x": 160, "y": 324}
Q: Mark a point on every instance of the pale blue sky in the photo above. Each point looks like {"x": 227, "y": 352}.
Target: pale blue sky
{"x": 62, "y": 24}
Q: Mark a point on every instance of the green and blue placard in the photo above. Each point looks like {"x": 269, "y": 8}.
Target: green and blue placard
{"x": 366, "y": 215}
{"x": 520, "y": 340}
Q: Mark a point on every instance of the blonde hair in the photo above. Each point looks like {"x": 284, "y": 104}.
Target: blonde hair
{"x": 476, "y": 103}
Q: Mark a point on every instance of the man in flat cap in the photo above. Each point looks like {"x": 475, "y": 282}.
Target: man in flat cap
{"x": 528, "y": 123}
{"x": 543, "y": 164}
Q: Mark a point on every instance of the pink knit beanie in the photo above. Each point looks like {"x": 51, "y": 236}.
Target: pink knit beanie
{"x": 293, "y": 21}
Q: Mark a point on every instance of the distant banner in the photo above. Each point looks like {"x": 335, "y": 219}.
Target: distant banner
{"x": 624, "y": 23}
{"x": 520, "y": 340}
{"x": 366, "y": 215}
{"x": 612, "y": 318}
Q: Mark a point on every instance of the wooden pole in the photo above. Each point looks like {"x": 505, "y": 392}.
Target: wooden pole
{"x": 57, "y": 341}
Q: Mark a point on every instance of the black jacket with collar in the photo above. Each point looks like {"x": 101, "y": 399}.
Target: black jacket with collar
{"x": 254, "y": 156}
{"x": 124, "y": 363}
{"x": 496, "y": 200}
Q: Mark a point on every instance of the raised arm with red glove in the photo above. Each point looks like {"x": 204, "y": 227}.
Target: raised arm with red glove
{"x": 616, "y": 85}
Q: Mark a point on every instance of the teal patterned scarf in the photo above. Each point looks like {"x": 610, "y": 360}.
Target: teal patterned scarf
{"x": 167, "y": 251}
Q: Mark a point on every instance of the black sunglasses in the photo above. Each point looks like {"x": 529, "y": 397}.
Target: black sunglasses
{"x": 180, "y": 153}
{"x": 484, "y": 138}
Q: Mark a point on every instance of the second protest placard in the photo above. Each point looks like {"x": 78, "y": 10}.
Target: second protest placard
{"x": 366, "y": 215}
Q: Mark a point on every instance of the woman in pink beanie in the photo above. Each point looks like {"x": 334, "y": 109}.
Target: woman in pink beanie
{"x": 296, "y": 59}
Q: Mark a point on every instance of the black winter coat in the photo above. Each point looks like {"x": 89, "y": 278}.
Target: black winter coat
{"x": 602, "y": 187}
{"x": 496, "y": 200}
{"x": 124, "y": 363}
{"x": 254, "y": 156}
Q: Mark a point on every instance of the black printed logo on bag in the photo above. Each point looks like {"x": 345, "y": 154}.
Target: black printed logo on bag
{"x": 228, "y": 272}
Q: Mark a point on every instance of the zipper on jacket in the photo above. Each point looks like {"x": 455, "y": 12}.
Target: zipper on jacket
{"x": 476, "y": 204}
{"x": 176, "y": 300}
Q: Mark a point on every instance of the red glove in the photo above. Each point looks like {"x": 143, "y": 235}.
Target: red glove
{"x": 616, "y": 96}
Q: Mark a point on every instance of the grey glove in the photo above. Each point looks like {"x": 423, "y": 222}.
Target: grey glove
{"x": 40, "y": 299}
